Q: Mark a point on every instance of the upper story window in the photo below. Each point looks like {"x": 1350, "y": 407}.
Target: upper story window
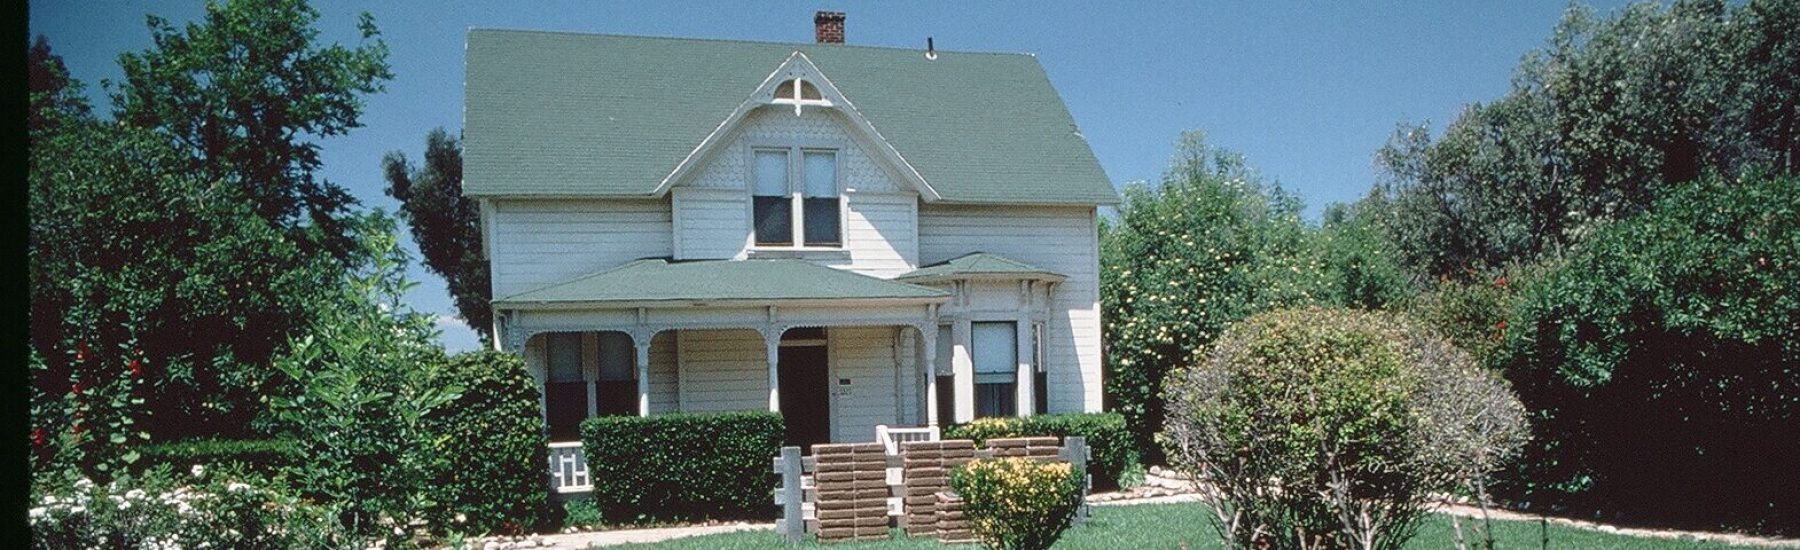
{"x": 795, "y": 197}
{"x": 798, "y": 92}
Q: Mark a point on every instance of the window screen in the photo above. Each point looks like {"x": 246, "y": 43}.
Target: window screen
{"x": 996, "y": 353}
{"x": 565, "y": 396}
{"x": 773, "y": 207}
{"x": 821, "y": 198}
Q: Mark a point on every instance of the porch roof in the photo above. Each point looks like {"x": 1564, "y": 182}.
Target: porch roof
{"x": 659, "y": 281}
{"x": 980, "y": 265}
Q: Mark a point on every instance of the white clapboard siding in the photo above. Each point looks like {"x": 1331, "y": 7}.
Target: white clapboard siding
{"x": 723, "y": 370}
{"x": 865, "y": 357}
{"x": 880, "y": 234}
{"x": 543, "y": 242}
{"x": 711, "y": 224}
{"x": 1061, "y": 239}
{"x": 664, "y": 386}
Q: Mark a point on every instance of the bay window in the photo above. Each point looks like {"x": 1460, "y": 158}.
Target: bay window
{"x": 795, "y": 198}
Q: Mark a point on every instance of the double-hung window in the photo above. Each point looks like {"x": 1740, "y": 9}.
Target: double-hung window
{"x": 566, "y": 397}
{"x": 565, "y": 391}
{"x": 616, "y": 388}
{"x": 996, "y": 354}
{"x": 795, "y": 199}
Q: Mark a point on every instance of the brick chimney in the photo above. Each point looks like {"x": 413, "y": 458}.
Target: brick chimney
{"x": 828, "y": 27}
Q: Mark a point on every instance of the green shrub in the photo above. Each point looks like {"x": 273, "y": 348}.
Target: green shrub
{"x": 580, "y": 514}
{"x": 370, "y": 372}
{"x": 683, "y": 466}
{"x": 1115, "y": 457}
{"x": 1018, "y": 503}
{"x": 204, "y": 508}
{"x": 493, "y": 478}
{"x": 258, "y": 454}
{"x": 1674, "y": 335}
{"x": 1335, "y": 428}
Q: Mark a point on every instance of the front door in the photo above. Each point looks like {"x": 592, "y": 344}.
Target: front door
{"x": 805, "y": 405}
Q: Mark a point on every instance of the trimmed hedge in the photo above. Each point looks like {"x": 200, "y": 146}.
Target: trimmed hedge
{"x": 1116, "y": 462}
{"x": 490, "y": 443}
{"x": 682, "y": 467}
{"x": 263, "y": 455}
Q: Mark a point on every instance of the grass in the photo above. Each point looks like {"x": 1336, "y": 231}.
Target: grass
{"x": 1185, "y": 526}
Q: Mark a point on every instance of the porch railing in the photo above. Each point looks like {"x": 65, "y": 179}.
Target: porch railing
{"x": 568, "y": 469}
{"x": 891, "y": 438}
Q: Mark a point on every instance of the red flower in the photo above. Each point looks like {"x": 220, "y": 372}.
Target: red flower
{"x": 81, "y": 351}
{"x": 1500, "y": 282}
{"x": 1500, "y": 325}
{"x": 137, "y": 369}
{"x": 75, "y": 389}
{"x": 38, "y": 437}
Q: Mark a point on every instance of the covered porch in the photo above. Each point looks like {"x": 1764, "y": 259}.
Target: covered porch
{"x": 837, "y": 352}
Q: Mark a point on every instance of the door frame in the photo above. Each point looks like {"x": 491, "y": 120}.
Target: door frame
{"x": 831, "y": 405}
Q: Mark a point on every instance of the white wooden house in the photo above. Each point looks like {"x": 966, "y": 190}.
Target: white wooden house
{"x": 851, "y": 236}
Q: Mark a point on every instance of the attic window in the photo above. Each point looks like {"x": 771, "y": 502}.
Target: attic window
{"x": 798, "y": 92}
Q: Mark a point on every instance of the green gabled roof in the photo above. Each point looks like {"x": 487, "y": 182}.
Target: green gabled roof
{"x": 761, "y": 281}
{"x": 561, "y": 114}
{"x": 979, "y": 264}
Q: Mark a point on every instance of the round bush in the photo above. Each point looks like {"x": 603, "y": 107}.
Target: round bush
{"x": 493, "y": 476}
{"x": 1018, "y": 503}
{"x": 1335, "y": 428}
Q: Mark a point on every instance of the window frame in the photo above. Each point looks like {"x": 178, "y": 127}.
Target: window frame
{"x": 1009, "y": 405}
{"x": 796, "y": 191}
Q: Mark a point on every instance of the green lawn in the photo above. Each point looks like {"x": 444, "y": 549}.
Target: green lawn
{"x": 1179, "y": 525}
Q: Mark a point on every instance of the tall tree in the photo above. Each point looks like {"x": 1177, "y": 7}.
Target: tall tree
{"x": 246, "y": 91}
{"x": 446, "y": 225}
{"x": 54, "y": 96}
{"x": 1212, "y": 244}
{"x": 144, "y": 271}
{"x": 1599, "y": 119}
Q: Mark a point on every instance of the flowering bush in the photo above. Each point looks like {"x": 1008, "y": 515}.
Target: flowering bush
{"x": 1018, "y": 503}
{"x": 158, "y": 510}
{"x": 1116, "y": 461}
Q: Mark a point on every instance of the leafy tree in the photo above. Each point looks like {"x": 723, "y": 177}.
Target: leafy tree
{"x": 1362, "y": 267}
{"x": 245, "y": 92}
{"x": 446, "y": 225}
{"x": 371, "y": 375}
{"x": 1599, "y": 119}
{"x": 142, "y": 268}
{"x": 1659, "y": 360}
{"x": 54, "y": 96}
{"x": 1210, "y": 245}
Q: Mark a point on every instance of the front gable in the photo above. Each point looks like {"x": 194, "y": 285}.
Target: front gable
{"x": 840, "y": 123}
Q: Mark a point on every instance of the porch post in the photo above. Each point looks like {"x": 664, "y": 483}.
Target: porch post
{"x": 590, "y": 370}
{"x": 772, "y": 345}
{"x": 963, "y": 364}
{"x": 928, "y": 341}
{"x": 641, "y": 341}
{"x": 1027, "y": 378}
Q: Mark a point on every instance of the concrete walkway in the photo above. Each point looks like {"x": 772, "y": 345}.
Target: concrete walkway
{"x": 634, "y": 536}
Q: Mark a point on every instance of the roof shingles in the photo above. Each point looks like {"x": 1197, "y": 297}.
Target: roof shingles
{"x": 585, "y": 115}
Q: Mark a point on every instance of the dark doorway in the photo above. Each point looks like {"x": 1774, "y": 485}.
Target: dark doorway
{"x": 805, "y": 405}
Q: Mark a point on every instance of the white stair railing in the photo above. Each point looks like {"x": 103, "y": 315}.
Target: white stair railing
{"x": 891, "y": 438}
{"x": 568, "y": 468}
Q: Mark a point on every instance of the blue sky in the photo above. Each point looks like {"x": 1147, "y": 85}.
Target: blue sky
{"x": 1307, "y": 91}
